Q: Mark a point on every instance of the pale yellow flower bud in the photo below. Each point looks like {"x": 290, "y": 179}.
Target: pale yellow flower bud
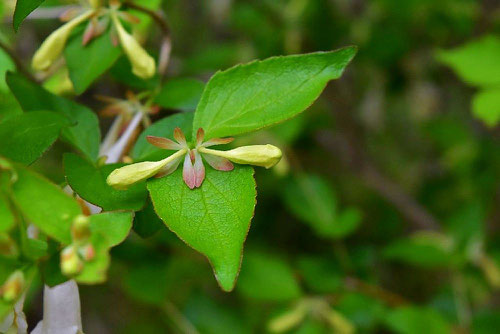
{"x": 13, "y": 287}
{"x": 258, "y": 155}
{"x": 95, "y": 3}
{"x": 143, "y": 65}
{"x": 80, "y": 230}
{"x": 71, "y": 263}
{"x": 53, "y": 45}
{"x": 123, "y": 177}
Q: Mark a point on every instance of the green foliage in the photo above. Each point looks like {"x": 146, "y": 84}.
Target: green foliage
{"x": 477, "y": 64}
{"x": 180, "y": 94}
{"x": 26, "y": 137}
{"x": 413, "y": 320}
{"x": 84, "y": 135}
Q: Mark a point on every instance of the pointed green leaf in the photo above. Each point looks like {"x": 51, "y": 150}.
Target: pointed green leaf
{"x": 89, "y": 181}
{"x": 23, "y": 9}
{"x": 114, "y": 226}
{"x": 213, "y": 219}
{"x": 44, "y": 204}
{"x": 86, "y": 63}
{"x": 249, "y": 97}
{"x": 27, "y": 136}
{"x": 84, "y": 135}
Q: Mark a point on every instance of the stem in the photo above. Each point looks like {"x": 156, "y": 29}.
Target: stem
{"x": 184, "y": 325}
{"x": 375, "y": 291}
{"x": 19, "y": 65}
{"x": 461, "y": 301}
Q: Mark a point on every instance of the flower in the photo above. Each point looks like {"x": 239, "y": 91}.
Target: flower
{"x": 53, "y": 46}
{"x": 13, "y": 287}
{"x": 193, "y": 168}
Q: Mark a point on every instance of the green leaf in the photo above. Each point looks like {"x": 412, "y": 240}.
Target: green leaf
{"x": 27, "y": 136}
{"x": 213, "y": 219}
{"x": 486, "y": 106}
{"x": 95, "y": 271}
{"x": 44, "y": 204}
{"x": 477, "y": 62}
{"x": 122, "y": 72}
{"x": 311, "y": 198}
{"x": 84, "y": 136}
{"x": 181, "y": 94}
{"x": 249, "y": 97}
{"x": 321, "y": 275}
{"x": 7, "y": 219}
{"x": 114, "y": 226}
{"x": 146, "y": 222}
{"x": 6, "y": 64}
{"x": 415, "y": 320}
{"x": 23, "y": 9}
{"x": 86, "y": 63}
{"x": 424, "y": 250}
{"x": 265, "y": 277}
{"x": 143, "y": 150}
{"x": 89, "y": 181}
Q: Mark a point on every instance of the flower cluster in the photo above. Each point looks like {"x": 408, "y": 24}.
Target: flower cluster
{"x": 74, "y": 256}
{"x": 99, "y": 18}
{"x": 193, "y": 168}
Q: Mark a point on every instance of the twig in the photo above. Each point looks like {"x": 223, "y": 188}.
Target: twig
{"x": 390, "y": 298}
{"x": 19, "y": 65}
{"x": 184, "y": 325}
{"x": 346, "y": 145}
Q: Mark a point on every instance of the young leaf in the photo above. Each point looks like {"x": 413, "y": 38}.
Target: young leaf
{"x": 89, "y": 181}
{"x": 86, "y": 63}
{"x": 143, "y": 150}
{"x": 249, "y": 97}
{"x": 84, "y": 136}
{"x": 265, "y": 277}
{"x": 213, "y": 219}
{"x": 44, "y": 204}
{"x": 181, "y": 94}
{"x": 312, "y": 200}
{"x": 146, "y": 222}
{"x": 27, "y": 136}
{"x": 415, "y": 320}
{"x": 23, "y": 9}
{"x": 477, "y": 62}
{"x": 486, "y": 106}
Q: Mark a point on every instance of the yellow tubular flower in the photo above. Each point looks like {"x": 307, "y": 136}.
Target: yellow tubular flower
{"x": 122, "y": 178}
{"x": 53, "y": 45}
{"x": 258, "y": 155}
{"x": 143, "y": 65}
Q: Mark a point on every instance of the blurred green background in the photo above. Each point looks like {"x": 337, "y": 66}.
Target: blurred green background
{"x": 384, "y": 215}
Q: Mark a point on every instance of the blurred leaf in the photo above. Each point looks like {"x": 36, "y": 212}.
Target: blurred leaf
{"x": 85, "y": 135}
{"x": 213, "y": 219}
{"x": 146, "y": 283}
{"x": 7, "y": 219}
{"x": 86, "y": 63}
{"x": 89, "y": 181}
{"x": 313, "y": 201}
{"x": 23, "y": 9}
{"x": 180, "y": 94}
{"x": 321, "y": 275}
{"x": 363, "y": 311}
{"x": 122, "y": 72}
{"x": 476, "y": 62}
{"x": 421, "y": 250}
{"x": 486, "y": 106}
{"x": 415, "y": 320}
{"x": 143, "y": 150}
{"x": 486, "y": 322}
{"x": 26, "y": 137}
{"x": 211, "y": 318}
{"x": 146, "y": 221}
{"x": 265, "y": 277}
{"x": 253, "y": 96}
{"x": 6, "y": 65}
{"x": 44, "y": 204}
